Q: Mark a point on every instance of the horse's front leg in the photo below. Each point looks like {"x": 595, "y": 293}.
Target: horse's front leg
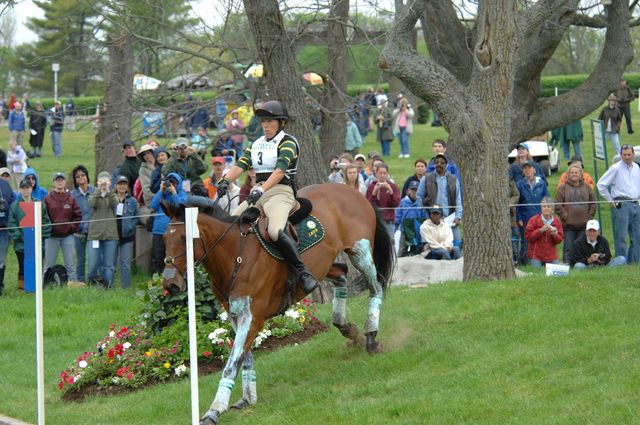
{"x": 240, "y": 312}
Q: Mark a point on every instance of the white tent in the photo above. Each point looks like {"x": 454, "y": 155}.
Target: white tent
{"x": 144, "y": 82}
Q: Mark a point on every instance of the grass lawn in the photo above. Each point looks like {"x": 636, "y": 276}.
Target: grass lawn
{"x": 528, "y": 351}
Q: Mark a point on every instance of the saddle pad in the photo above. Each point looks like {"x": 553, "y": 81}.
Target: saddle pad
{"x": 310, "y": 232}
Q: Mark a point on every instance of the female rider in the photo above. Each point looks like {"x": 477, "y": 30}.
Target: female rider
{"x": 274, "y": 157}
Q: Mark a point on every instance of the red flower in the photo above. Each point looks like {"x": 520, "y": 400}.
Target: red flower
{"x": 111, "y": 354}
{"x": 123, "y": 370}
{"x": 60, "y": 385}
{"x": 69, "y": 380}
{"x": 130, "y": 375}
{"x": 206, "y": 353}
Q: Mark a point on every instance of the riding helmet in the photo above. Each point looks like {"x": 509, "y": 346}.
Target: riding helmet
{"x": 272, "y": 109}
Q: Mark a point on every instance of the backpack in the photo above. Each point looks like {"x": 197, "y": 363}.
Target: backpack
{"x": 55, "y": 276}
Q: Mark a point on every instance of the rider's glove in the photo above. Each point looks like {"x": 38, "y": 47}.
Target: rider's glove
{"x": 255, "y": 195}
{"x": 223, "y": 186}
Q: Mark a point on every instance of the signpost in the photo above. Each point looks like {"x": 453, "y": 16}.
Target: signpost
{"x": 55, "y": 67}
{"x": 599, "y": 154}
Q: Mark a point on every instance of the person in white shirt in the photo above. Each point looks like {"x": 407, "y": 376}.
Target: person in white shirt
{"x": 438, "y": 237}
{"x": 620, "y": 186}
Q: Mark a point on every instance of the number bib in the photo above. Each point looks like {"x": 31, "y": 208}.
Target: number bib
{"x": 264, "y": 155}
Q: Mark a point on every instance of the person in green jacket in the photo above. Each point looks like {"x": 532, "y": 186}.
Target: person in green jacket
{"x": 16, "y": 233}
{"x": 189, "y": 166}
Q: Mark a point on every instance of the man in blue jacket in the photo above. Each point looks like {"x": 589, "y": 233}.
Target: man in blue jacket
{"x": 17, "y": 122}
{"x": 532, "y": 189}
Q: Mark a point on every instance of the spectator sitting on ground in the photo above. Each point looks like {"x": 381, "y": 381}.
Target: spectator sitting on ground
{"x": 37, "y": 192}
{"x": 591, "y": 249}
{"x": 409, "y": 217}
{"x": 438, "y": 237}
{"x": 543, "y": 233}
{"x": 576, "y": 205}
{"x": 577, "y": 160}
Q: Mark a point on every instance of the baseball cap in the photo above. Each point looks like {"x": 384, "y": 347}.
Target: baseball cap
{"x": 360, "y": 156}
{"x": 435, "y": 209}
{"x": 413, "y": 185}
{"x": 182, "y": 141}
{"x": 593, "y": 224}
{"x": 104, "y": 175}
{"x": 522, "y": 145}
{"x": 25, "y": 183}
{"x": 57, "y": 176}
{"x": 127, "y": 143}
{"x": 374, "y": 154}
{"x": 122, "y": 178}
{"x": 4, "y": 170}
{"x": 217, "y": 160}
{"x": 528, "y": 164}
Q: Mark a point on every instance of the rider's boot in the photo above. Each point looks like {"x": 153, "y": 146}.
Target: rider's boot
{"x": 287, "y": 247}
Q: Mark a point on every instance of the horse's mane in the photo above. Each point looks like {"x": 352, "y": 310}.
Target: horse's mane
{"x": 208, "y": 208}
{"x": 218, "y": 213}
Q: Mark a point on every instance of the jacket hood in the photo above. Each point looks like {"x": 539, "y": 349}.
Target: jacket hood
{"x": 31, "y": 172}
{"x": 178, "y": 178}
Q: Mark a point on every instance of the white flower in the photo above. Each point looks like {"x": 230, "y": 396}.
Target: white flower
{"x": 292, "y": 313}
{"x": 82, "y": 364}
{"x": 77, "y": 378}
{"x": 126, "y": 345}
{"x": 180, "y": 370}
{"x": 264, "y": 334}
{"x": 115, "y": 380}
{"x": 112, "y": 334}
{"x": 217, "y": 335}
{"x": 224, "y": 316}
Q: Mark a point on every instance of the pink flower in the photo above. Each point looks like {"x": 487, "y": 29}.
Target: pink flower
{"x": 130, "y": 375}
{"x": 60, "y": 385}
{"x": 123, "y": 370}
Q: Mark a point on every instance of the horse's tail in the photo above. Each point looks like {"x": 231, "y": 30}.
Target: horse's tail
{"x": 384, "y": 255}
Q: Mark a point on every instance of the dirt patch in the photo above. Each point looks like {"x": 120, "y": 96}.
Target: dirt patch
{"x": 216, "y": 365}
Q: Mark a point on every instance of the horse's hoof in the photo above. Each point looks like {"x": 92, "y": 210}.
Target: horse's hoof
{"x": 210, "y": 418}
{"x": 240, "y": 404}
{"x": 376, "y": 348}
{"x": 357, "y": 342}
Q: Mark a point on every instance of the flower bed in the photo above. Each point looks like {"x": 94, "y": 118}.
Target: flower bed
{"x": 157, "y": 347}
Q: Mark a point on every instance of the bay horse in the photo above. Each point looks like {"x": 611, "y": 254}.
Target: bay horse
{"x": 251, "y": 284}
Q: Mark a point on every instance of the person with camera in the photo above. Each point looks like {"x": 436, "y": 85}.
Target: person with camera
{"x": 274, "y": 156}
{"x": 171, "y": 192}
{"x": 385, "y": 195}
{"x": 543, "y": 232}
{"x": 403, "y": 126}
{"x": 103, "y": 233}
{"x": 591, "y": 249}
{"x": 384, "y": 121}
{"x": 189, "y": 166}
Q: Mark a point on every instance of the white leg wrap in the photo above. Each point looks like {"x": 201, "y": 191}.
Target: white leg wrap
{"x": 221, "y": 402}
{"x": 339, "y": 306}
{"x": 373, "y": 316}
{"x": 249, "y": 392}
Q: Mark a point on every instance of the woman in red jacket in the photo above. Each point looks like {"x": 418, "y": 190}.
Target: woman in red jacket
{"x": 544, "y": 232}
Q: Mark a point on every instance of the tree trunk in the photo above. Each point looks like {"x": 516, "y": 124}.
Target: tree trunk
{"x": 115, "y": 126}
{"x": 276, "y": 54}
{"x": 334, "y": 100}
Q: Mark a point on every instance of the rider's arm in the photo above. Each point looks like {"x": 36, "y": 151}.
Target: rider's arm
{"x": 233, "y": 173}
{"x": 273, "y": 179}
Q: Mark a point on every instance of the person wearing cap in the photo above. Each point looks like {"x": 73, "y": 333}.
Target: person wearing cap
{"x": 420, "y": 170}
{"x": 438, "y": 237}
{"x": 409, "y": 216}
{"x": 16, "y": 162}
{"x": 576, "y": 204}
{"x": 625, "y": 96}
{"x": 544, "y": 231}
{"x": 188, "y": 165}
{"x": 576, "y": 159}
{"x": 612, "y": 118}
{"x": 38, "y": 192}
{"x": 591, "y": 249}
{"x": 142, "y": 187}
{"x": 16, "y": 233}
{"x": 352, "y": 138}
{"x": 127, "y": 214}
{"x": 161, "y": 156}
{"x": 443, "y": 188}
{"x": 170, "y": 192}
{"x": 361, "y": 162}
{"x": 82, "y": 190}
{"x": 384, "y": 121}
{"x": 274, "y": 156}
{"x": 532, "y": 190}
{"x": 385, "y": 195}
{"x": 130, "y": 167}
{"x": 37, "y": 127}
{"x": 5, "y": 174}
{"x": 103, "y": 233}
{"x": 65, "y": 215}
{"x": 7, "y": 196}
{"x": 211, "y": 182}
{"x": 439, "y": 147}
{"x": 620, "y": 186}
{"x": 523, "y": 157}
{"x": 56, "y": 116}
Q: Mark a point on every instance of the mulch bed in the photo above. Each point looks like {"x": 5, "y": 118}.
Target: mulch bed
{"x": 216, "y": 365}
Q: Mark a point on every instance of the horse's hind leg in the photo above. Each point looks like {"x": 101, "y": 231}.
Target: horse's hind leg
{"x": 249, "y": 394}
{"x": 339, "y": 319}
{"x": 240, "y": 312}
{"x": 362, "y": 259}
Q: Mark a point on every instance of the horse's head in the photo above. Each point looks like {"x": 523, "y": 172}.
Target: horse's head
{"x": 175, "y": 259}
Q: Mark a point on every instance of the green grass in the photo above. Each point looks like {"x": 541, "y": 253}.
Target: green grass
{"x": 528, "y": 351}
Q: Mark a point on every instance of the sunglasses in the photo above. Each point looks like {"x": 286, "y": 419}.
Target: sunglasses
{"x": 30, "y": 178}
